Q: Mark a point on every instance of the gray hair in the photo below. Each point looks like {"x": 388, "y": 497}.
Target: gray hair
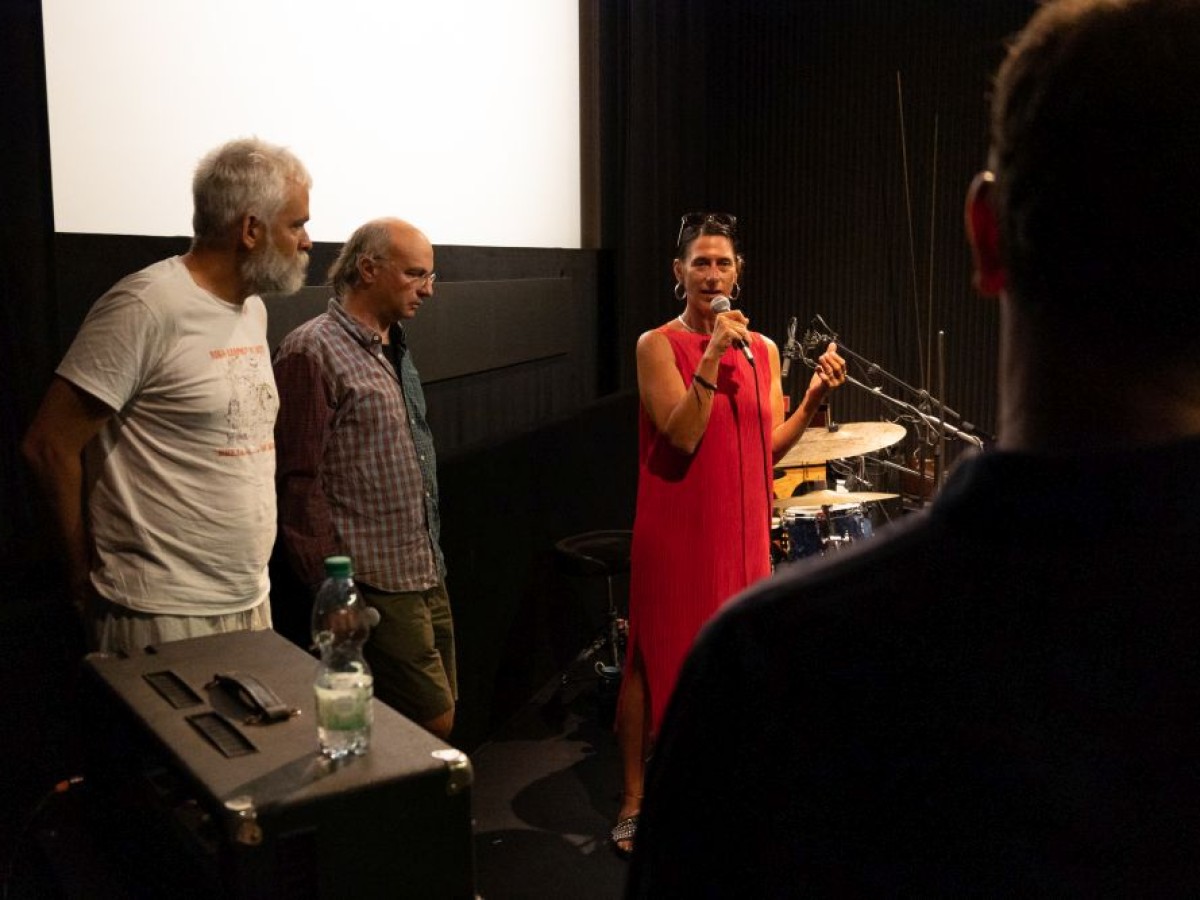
{"x": 243, "y": 177}
{"x": 374, "y": 239}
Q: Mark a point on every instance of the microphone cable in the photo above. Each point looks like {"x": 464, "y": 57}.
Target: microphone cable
{"x": 762, "y": 447}
{"x": 767, "y": 463}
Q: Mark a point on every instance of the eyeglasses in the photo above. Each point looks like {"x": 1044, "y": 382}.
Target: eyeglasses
{"x": 421, "y": 279}
{"x": 699, "y": 219}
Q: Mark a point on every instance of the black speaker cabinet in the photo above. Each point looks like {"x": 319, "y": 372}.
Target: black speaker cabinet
{"x": 196, "y": 801}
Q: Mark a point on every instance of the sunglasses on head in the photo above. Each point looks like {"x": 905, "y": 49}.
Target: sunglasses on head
{"x": 699, "y": 219}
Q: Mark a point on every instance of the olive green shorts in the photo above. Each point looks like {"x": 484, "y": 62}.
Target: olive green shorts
{"x": 411, "y": 651}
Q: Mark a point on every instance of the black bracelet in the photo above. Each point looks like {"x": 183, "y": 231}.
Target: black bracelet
{"x": 704, "y": 382}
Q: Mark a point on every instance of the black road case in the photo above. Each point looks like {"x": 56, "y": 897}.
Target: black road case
{"x": 199, "y": 802}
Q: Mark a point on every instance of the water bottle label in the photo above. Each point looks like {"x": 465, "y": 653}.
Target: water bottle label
{"x": 345, "y": 703}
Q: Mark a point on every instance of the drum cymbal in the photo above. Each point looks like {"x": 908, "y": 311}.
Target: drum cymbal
{"x": 819, "y": 444}
{"x": 831, "y": 498}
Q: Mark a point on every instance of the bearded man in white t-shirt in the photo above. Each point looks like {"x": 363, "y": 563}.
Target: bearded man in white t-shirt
{"x": 155, "y": 440}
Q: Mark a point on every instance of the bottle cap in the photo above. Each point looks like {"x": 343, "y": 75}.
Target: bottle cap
{"x": 338, "y": 567}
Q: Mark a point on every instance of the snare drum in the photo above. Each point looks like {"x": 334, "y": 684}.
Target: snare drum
{"x": 817, "y": 530}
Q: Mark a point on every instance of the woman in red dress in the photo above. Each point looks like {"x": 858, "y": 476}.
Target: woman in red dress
{"x": 711, "y": 426}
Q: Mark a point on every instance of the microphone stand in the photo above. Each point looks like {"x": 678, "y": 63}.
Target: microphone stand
{"x": 933, "y": 421}
{"x": 937, "y": 423}
{"x": 795, "y": 350}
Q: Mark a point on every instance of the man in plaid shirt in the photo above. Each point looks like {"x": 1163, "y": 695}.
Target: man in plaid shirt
{"x": 356, "y": 468}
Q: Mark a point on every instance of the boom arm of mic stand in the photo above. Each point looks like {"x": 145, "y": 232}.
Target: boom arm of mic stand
{"x": 846, "y": 351}
{"x": 908, "y": 407}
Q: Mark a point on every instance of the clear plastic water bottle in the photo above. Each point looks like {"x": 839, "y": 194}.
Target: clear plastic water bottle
{"x": 341, "y": 623}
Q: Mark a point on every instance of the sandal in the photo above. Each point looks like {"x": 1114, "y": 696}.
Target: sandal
{"x": 624, "y": 830}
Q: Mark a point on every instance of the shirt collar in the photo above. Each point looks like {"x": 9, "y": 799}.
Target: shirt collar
{"x": 364, "y": 335}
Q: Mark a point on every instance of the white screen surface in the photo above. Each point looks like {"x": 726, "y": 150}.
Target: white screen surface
{"x": 461, "y": 116}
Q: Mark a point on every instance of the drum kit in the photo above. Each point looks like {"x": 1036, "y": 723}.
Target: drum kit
{"x": 824, "y": 521}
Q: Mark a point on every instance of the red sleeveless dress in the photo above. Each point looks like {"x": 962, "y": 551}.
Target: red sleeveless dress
{"x": 702, "y": 528}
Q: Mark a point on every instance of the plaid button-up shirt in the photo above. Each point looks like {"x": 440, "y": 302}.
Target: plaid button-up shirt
{"x": 355, "y": 465}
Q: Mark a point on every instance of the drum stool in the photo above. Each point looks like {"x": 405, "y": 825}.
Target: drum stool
{"x": 592, "y": 554}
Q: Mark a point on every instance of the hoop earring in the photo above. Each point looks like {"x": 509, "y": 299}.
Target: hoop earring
{"x": 735, "y": 292}
{"x": 680, "y": 291}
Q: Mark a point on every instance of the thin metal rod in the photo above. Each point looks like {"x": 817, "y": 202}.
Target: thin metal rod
{"x": 932, "y": 234}
{"x": 941, "y": 452}
{"x": 912, "y": 247}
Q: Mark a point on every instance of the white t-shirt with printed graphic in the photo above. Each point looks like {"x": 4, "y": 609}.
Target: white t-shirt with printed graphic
{"x": 181, "y": 481}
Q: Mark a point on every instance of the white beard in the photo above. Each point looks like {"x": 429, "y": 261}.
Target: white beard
{"x": 270, "y": 272}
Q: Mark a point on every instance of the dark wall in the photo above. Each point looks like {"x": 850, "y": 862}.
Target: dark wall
{"x": 518, "y": 620}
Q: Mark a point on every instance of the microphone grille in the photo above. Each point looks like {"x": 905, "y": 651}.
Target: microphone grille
{"x": 720, "y": 304}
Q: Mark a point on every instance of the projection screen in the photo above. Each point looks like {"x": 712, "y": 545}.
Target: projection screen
{"x": 460, "y": 115}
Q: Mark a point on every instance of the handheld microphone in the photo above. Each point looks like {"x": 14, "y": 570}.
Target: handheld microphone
{"x": 722, "y": 304}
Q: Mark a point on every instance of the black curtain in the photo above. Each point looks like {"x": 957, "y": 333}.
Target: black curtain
{"x": 28, "y": 317}
{"x": 843, "y": 134}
